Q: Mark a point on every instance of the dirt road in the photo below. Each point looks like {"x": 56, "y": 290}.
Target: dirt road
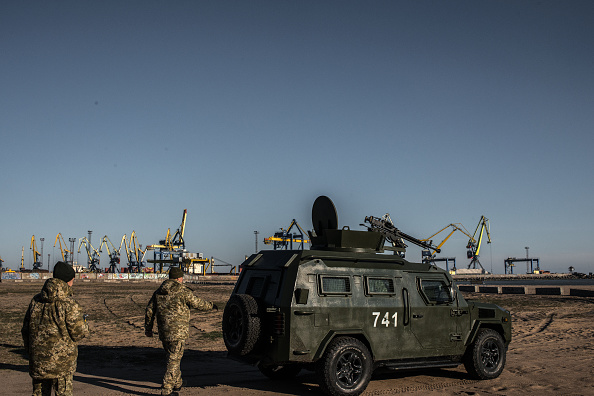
{"x": 552, "y": 351}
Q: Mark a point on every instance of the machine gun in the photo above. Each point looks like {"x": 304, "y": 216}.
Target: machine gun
{"x": 385, "y": 226}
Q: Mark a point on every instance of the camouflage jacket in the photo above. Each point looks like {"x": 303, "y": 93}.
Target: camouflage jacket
{"x": 171, "y": 304}
{"x": 53, "y": 325}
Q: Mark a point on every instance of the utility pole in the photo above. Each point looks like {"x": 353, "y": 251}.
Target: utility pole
{"x": 527, "y": 248}
{"x": 256, "y": 235}
{"x": 72, "y": 240}
{"x": 88, "y": 251}
{"x": 41, "y": 257}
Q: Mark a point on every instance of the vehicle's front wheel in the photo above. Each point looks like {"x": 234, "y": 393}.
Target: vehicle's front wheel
{"x": 485, "y": 357}
{"x": 346, "y": 367}
{"x": 279, "y": 372}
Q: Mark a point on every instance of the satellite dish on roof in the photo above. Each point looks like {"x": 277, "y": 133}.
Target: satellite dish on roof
{"x": 323, "y": 215}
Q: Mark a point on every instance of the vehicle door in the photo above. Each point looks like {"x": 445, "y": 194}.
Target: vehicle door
{"x": 432, "y": 314}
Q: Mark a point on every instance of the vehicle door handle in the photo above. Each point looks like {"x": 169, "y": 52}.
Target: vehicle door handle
{"x": 304, "y": 312}
{"x": 417, "y": 316}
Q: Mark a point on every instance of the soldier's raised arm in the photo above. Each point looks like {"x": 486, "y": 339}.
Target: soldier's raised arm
{"x": 198, "y": 303}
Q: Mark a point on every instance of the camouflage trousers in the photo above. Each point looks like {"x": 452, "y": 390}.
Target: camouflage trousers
{"x": 62, "y": 386}
{"x": 172, "y": 378}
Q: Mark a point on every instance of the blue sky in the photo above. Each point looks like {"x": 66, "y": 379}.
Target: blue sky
{"x": 115, "y": 116}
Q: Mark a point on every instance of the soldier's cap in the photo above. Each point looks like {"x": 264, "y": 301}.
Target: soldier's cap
{"x": 63, "y": 271}
{"x": 176, "y": 273}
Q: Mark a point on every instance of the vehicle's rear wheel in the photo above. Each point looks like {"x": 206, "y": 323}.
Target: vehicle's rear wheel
{"x": 345, "y": 368}
{"x": 485, "y": 357}
{"x": 280, "y": 372}
{"x": 241, "y": 324}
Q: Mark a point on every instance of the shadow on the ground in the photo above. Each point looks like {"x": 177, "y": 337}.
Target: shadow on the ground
{"x": 141, "y": 368}
{"x": 139, "y": 371}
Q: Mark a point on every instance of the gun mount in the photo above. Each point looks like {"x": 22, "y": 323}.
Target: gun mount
{"x": 385, "y": 226}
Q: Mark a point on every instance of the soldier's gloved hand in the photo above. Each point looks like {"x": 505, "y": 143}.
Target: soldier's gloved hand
{"x": 214, "y": 306}
{"x": 148, "y": 333}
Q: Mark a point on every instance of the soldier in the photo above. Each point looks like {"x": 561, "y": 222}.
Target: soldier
{"x": 171, "y": 304}
{"x": 53, "y": 325}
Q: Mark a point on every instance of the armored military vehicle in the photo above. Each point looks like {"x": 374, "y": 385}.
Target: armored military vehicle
{"x": 346, "y": 307}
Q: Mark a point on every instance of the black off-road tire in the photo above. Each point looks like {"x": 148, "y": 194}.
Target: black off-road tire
{"x": 280, "y": 372}
{"x": 241, "y": 324}
{"x": 345, "y": 368}
{"x": 485, "y": 357}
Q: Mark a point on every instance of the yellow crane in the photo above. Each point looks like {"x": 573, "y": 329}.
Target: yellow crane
{"x": 134, "y": 253}
{"x": 113, "y": 253}
{"x": 454, "y": 227}
{"x": 62, "y": 243}
{"x": 474, "y": 244}
{"x": 171, "y": 251}
{"x": 284, "y": 239}
{"x": 173, "y": 242}
{"x": 37, "y": 264}
{"x": 92, "y": 255}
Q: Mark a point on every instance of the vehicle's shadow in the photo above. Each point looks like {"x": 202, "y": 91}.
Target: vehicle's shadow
{"x": 142, "y": 368}
{"x": 139, "y": 371}
{"x": 384, "y": 374}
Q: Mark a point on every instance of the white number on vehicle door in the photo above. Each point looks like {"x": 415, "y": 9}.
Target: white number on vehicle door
{"x": 385, "y": 319}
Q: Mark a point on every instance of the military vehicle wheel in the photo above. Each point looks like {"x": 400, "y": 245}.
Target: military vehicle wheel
{"x": 241, "y": 324}
{"x": 485, "y": 357}
{"x": 280, "y": 372}
{"x": 345, "y": 368}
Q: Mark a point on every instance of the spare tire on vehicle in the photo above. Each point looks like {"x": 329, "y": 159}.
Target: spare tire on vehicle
{"x": 241, "y": 324}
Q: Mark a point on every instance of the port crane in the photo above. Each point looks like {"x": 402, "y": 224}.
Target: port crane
{"x": 429, "y": 256}
{"x": 63, "y": 249}
{"x": 113, "y": 253}
{"x": 284, "y": 239}
{"x": 385, "y": 226}
{"x": 134, "y": 253}
{"x": 474, "y": 245}
{"x": 37, "y": 263}
{"x": 175, "y": 241}
{"x": 172, "y": 251}
{"x": 92, "y": 254}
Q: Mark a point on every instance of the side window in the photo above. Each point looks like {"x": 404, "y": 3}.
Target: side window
{"x": 379, "y": 286}
{"x": 335, "y": 285}
{"x": 255, "y": 286}
{"x": 435, "y": 291}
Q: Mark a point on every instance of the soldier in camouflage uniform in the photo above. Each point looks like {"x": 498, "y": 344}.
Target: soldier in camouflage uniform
{"x": 53, "y": 325}
{"x": 171, "y": 304}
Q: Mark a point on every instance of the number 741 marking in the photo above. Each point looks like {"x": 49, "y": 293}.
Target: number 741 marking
{"x": 385, "y": 319}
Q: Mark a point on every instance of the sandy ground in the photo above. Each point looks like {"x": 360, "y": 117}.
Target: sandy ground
{"x": 552, "y": 351}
